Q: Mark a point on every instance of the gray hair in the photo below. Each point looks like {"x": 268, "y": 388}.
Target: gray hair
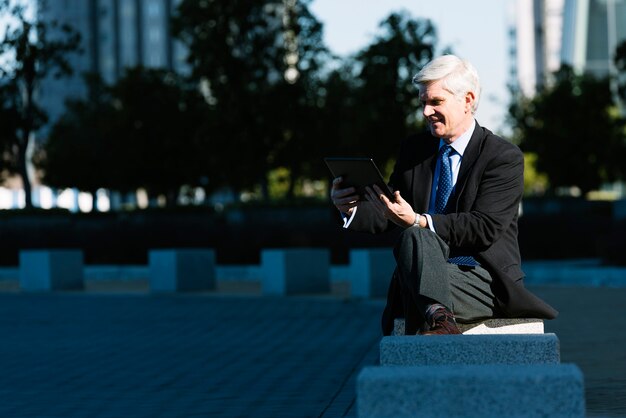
{"x": 458, "y": 76}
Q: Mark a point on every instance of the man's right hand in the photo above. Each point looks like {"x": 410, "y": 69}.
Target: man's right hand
{"x": 344, "y": 199}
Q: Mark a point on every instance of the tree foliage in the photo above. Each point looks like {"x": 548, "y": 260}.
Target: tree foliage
{"x": 9, "y": 131}
{"x": 367, "y": 104}
{"x": 574, "y": 128}
{"x": 236, "y": 51}
{"x": 386, "y": 98}
{"x": 262, "y": 95}
{"x": 157, "y": 117}
{"x": 620, "y": 64}
{"x": 33, "y": 51}
{"x": 78, "y": 152}
{"x": 138, "y": 133}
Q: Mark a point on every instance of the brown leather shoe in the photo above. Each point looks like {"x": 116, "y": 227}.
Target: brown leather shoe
{"x": 443, "y": 324}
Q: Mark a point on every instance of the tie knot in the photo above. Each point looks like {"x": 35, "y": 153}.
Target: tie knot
{"x": 445, "y": 150}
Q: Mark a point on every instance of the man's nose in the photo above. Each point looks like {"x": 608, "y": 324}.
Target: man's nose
{"x": 428, "y": 110}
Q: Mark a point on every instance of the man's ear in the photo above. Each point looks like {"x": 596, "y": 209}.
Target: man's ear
{"x": 469, "y": 101}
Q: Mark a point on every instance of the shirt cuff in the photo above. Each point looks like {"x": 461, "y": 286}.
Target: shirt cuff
{"x": 348, "y": 220}
{"x": 431, "y": 226}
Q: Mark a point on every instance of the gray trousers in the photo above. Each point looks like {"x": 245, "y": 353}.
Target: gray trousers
{"x": 424, "y": 272}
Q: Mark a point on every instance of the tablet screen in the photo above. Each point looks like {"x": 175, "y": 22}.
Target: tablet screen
{"x": 358, "y": 173}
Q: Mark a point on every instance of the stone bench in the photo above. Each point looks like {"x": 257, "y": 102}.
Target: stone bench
{"x": 49, "y": 270}
{"x": 491, "y": 326}
{"x": 295, "y": 271}
{"x": 176, "y": 270}
{"x": 419, "y": 350}
{"x": 494, "y": 390}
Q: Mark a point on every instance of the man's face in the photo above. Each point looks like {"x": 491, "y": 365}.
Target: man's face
{"x": 447, "y": 116}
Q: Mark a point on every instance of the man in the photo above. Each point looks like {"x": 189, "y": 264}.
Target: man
{"x": 457, "y": 192}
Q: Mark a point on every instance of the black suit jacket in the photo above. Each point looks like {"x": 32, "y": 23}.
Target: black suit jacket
{"x": 481, "y": 219}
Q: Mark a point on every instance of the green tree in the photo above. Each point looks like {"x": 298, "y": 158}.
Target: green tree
{"x": 232, "y": 50}
{"x": 257, "y": 63}
{"x": 620, "y": 65}
{"x": 294, "y": 108}
{"x": 154, "y": 139}
{"x": 387, "y": 101}
{"x": 339, "y": 113}
{"x": 78, "y": 152}
{"x": 573, "y": 127}
{"x": 33, "y": 50}
{"x": 9, "y": 128}
{"x": 139, "y": 133}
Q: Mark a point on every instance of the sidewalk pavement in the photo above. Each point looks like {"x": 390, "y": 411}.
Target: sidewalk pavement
{"x": 592, "y": 335}
{"x": 196, "y": 355}
{"x": 132, "y": 354}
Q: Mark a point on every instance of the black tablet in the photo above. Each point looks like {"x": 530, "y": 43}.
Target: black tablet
{"x": 358, "y": 173}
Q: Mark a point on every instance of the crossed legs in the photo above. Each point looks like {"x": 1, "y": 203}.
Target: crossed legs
{"x": 428, "y": 278}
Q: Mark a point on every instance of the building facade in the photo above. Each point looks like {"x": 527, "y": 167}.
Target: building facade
{"x": 592, "y": 29}
{"x": 116, "y": 34}
{"x": 536, "y": 42}
{"x": 547, "y": 33}
{"x": 583, "y": 34}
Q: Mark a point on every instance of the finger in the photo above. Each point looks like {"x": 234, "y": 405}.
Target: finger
{"x": 350, "y": 191}
{"x": 347, "y": 206}
{"x": 337, "y": 181}
{"x": 381, "y": 194}
{"x": 346, "y": 200}
{"x": 382, "y": 197}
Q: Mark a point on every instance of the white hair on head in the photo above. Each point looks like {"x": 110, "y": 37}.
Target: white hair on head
{"x": 457, "y": 76}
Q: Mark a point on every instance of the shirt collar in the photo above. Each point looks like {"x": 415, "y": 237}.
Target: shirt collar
{"x": 461, "y": 142}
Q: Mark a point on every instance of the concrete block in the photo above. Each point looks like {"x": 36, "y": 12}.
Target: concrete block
{"x": 491, "y": 326}
{"x": 179, "y": 270}
{"x": 496, "y": 390}
{"x": 46, "y": 270}
{"x": 422, "y": 350}
{"x": 619, "y": 209}
{"x": 296, "y": 270}
{"x": 370, "y": 272}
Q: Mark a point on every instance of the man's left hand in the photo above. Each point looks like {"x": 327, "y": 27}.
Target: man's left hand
{"x": 397, "y": 211}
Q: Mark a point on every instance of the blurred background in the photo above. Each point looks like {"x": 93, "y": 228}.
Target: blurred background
{"x": 135, "y": 124}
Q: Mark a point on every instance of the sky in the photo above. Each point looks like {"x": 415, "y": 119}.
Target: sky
{"x": 475, "y": 30}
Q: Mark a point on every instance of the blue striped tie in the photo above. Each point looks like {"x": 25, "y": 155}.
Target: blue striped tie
{"x": 444, "y": 188}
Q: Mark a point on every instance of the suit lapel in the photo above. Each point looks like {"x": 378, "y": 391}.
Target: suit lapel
{"x": 469, "y": 158}
{"x": 423, "y": 177}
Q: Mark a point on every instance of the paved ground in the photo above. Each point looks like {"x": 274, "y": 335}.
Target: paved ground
{"x": 592, "y": 335}
{"x": 96, "y": 354}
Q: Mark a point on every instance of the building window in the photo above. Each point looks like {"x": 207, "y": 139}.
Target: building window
{"x": 154, "y": 35}
{"x": 154, "y": 9}
{"x": 128, "y": 10}
{"x": 156, "y": 60}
